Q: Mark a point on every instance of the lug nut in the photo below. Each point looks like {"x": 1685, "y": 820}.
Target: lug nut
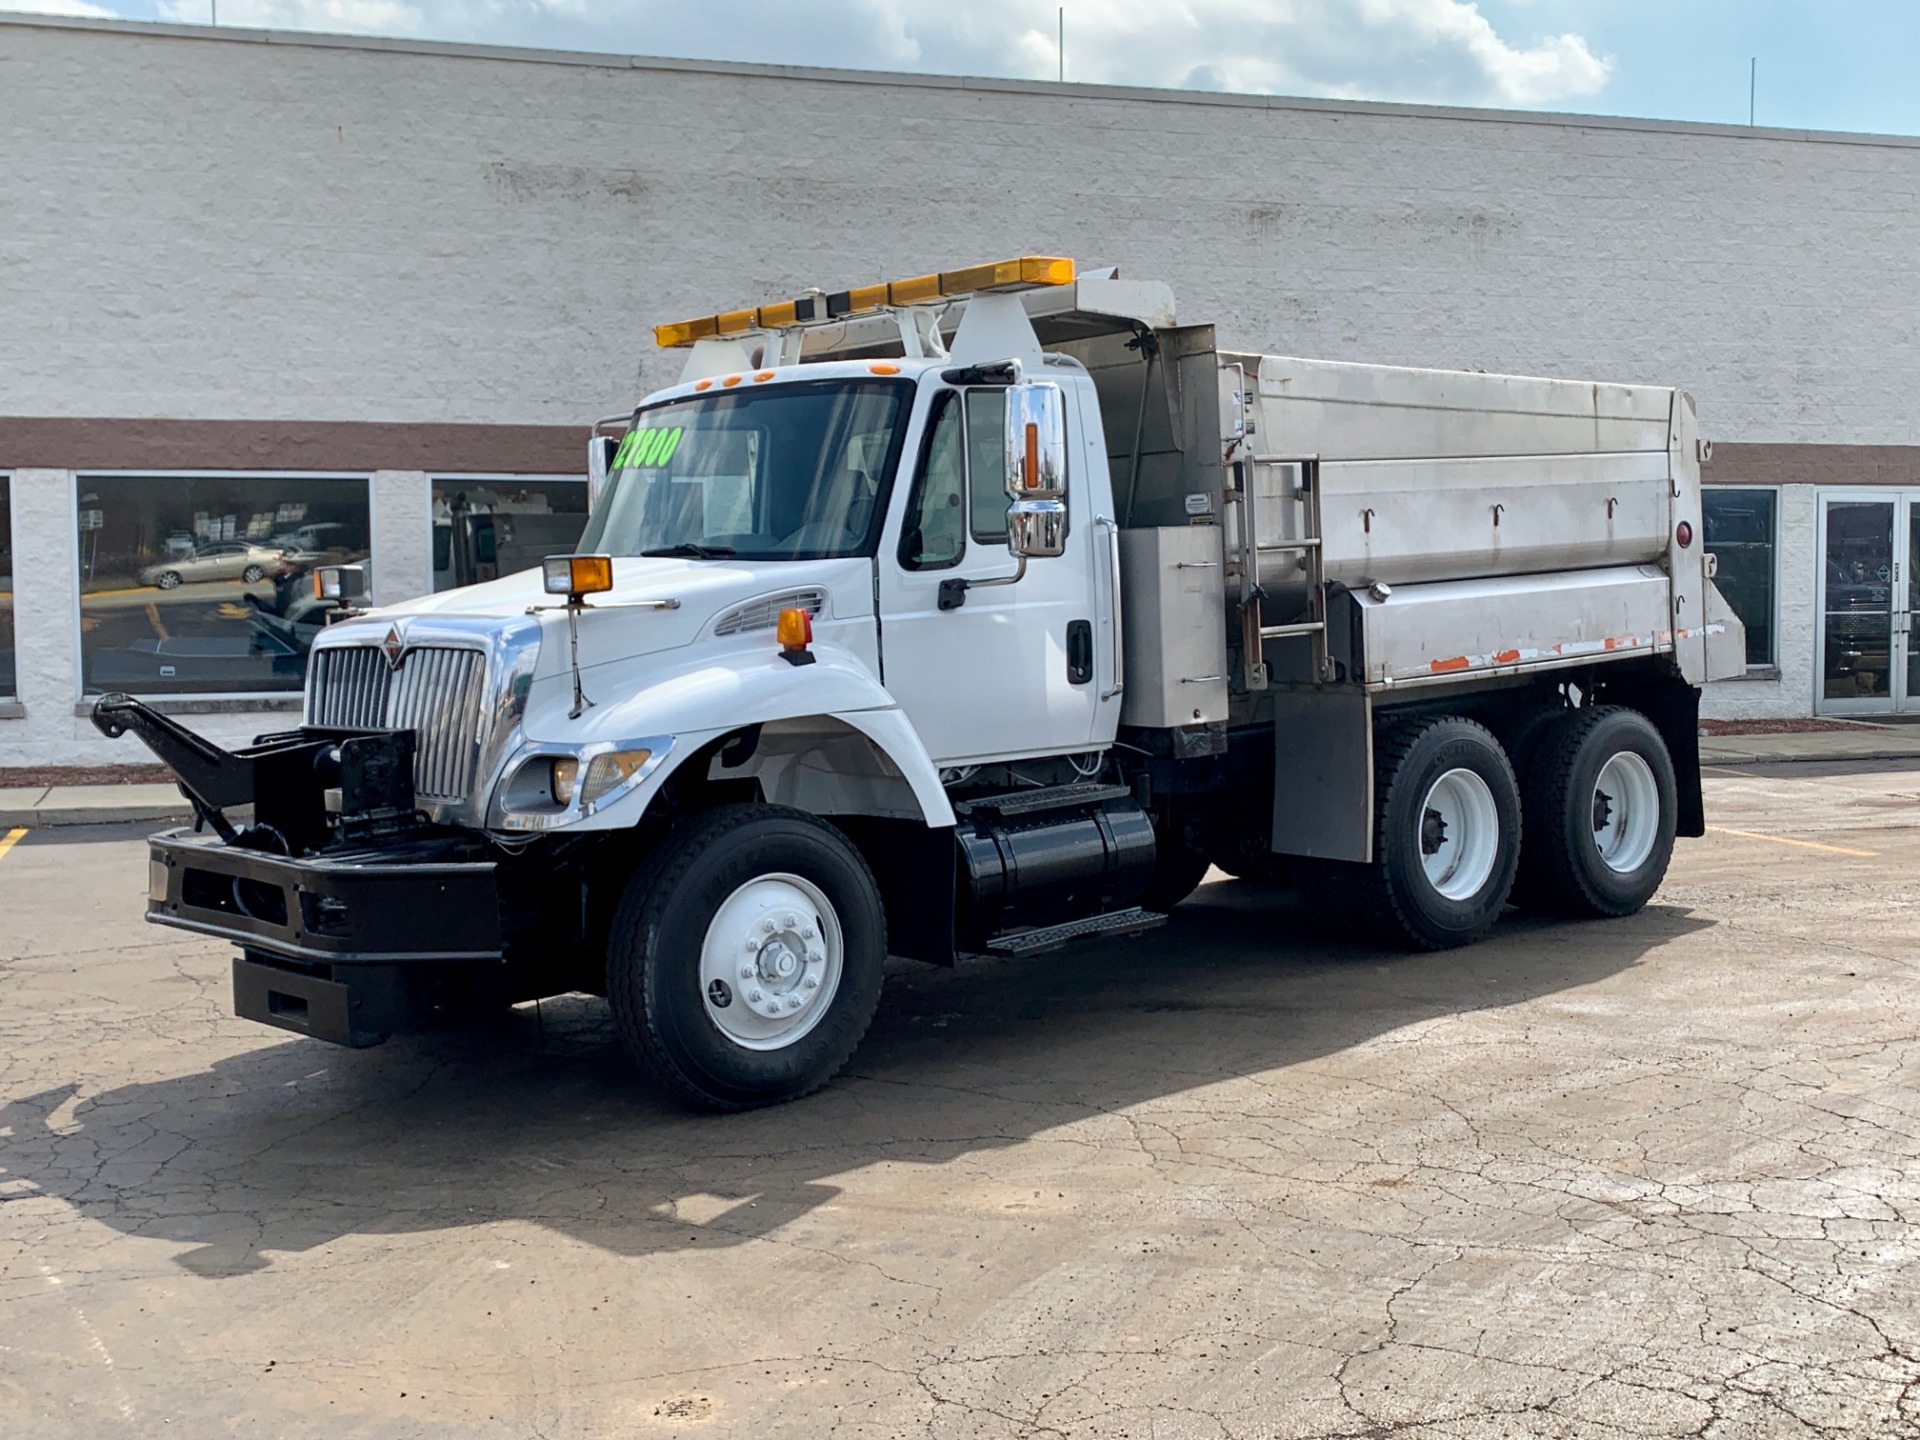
{"x": 746, "y": 972}
{"x": 793, "y": 922}
{"x": 809, "y": 933}
{"x": 813, "y": 982}
{"x": 794, "y": 1003}
{"x": 754, "y": 997}
{"x": 767, "y": 925}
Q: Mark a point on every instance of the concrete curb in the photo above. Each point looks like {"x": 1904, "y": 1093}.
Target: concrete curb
{"x": 1813, "y": 746}
{"x": 37, "y": 807}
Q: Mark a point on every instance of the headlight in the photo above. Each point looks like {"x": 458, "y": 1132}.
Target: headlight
{"x": 547, "y": 791}
{"x": 564, "y": 778}
{"x": 609, "y": 771}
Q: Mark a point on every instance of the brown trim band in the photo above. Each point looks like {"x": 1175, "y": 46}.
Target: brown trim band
{"x": 1737, "y": 463}
{"x": 106, "y": 444}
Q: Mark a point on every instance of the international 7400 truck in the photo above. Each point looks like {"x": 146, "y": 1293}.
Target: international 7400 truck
{"x": 978, "y": 612}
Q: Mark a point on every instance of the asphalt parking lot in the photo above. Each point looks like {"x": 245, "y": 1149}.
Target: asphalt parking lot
{"x": 1648, "y": 1177}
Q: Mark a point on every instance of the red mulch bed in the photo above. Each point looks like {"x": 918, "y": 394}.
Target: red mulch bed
{"x": 1780, "y": 727}
{"x": 28, "y": 775}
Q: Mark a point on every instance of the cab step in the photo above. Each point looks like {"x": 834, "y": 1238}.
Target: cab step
{"x": 1047, "y": 797}
{"x": 1051, "y": 937}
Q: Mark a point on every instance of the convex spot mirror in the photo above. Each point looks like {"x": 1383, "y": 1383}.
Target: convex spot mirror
{"x": 1036, "y": 446}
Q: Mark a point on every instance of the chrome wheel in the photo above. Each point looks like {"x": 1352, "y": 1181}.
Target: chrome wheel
{"x": 1459, "y": 834}
{"x": 771, "y": 961}
{"x": 1626, "y": 812}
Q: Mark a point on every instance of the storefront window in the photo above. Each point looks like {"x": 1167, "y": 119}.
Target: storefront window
{"x": 9, "y": 682}
{"x": 201, "y": 584}
{"x": 488, "y": 526}
{"x": 1740, "y": 533}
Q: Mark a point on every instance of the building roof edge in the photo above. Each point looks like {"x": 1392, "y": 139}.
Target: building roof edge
{"x": 985, "y": 84}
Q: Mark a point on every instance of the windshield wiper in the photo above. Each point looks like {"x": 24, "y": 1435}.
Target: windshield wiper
{"x": 691, "y": 550}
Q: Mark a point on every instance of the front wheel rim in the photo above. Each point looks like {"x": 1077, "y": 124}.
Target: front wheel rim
{"x": 1459, "y": 834}
{"x": 1625, "y": 812}
{"x": 771, "y": 961}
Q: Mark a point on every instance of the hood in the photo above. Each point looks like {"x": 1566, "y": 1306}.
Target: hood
{"x": 615, "y": 627}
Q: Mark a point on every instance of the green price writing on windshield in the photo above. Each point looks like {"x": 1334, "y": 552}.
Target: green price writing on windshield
{"x": 648, "y": 447}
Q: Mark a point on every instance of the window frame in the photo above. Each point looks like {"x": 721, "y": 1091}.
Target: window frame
{"x": 237, "y": 698}
{"x": 1769, "y": 668}
{"x": 936, "y": 409}
{"x": 10, "y": 697}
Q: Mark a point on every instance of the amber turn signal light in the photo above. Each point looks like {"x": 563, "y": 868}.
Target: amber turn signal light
{"x": 795, "y": 632}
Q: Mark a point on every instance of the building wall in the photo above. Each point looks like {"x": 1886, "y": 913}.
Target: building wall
{"x": 251, "y": 250}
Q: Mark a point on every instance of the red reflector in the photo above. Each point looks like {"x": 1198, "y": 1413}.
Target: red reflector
{"x": 1684, "y": 534}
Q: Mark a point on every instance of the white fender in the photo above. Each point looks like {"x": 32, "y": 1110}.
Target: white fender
{"x": 708, "y": 695}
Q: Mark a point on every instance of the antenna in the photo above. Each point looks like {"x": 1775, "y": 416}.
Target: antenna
{"x": 1753, "y": 77}
{"x": 1063, "y": 44}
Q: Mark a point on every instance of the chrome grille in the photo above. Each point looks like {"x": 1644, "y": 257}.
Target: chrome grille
{"x": 437, "y": 693}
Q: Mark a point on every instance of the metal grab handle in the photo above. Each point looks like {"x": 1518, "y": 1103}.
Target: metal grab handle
{"x": 1200, "y": 679}
{"x": 1119, "y": 650}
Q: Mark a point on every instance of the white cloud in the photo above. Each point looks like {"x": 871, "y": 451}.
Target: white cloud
{"x": 1416, "y": 50}
{"x": 59, "y": 7}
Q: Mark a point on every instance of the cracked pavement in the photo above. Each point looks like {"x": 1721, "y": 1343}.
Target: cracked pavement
{"x": 1652, "y": 1177}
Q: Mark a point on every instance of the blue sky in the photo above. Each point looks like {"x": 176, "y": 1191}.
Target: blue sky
{"x": 1844, "y": 65}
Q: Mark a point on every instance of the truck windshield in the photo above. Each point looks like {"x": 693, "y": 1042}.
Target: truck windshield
{"x": 797, "y": 471}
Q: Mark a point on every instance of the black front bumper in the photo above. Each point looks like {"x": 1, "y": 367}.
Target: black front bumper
{"x": 347, "y": 946}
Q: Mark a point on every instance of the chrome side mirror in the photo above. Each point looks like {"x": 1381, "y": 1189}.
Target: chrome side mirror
{"x": 1036, "y": 449}
{"x": 600, "y": 452}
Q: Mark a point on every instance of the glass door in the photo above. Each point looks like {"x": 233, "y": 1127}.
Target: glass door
{"x": 1866, "y": 543}
{"x": 1907, "y": 651}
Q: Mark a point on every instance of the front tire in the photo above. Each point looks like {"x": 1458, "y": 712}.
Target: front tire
{"x": 746, "y": 957}
{"x": 170, "y": 580}
{"x": 252, "y": 574}
{"x": 1602, "y": 807}
{"x": 1447, "y": 836}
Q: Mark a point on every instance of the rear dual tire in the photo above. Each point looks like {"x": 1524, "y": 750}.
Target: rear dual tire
{"x": 1601, "y": 810}
{"x": 1447, "y": 833}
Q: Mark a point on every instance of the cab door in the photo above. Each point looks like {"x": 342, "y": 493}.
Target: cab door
{"x": 988, "y": 670}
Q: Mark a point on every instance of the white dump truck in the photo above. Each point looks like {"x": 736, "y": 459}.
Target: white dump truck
{"x": 976, "y": 612}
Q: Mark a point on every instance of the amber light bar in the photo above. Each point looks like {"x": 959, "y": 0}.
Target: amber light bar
{"x": 1024, "y": 272}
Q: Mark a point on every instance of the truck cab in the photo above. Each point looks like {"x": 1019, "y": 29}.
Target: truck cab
{"x": 840, "y": 670}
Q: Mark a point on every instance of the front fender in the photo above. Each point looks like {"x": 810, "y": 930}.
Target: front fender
{"x": 696, "y": 698}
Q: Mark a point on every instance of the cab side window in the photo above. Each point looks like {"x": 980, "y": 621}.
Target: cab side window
{"x": 987, "y": 465}
{"x": 935, "y": 536}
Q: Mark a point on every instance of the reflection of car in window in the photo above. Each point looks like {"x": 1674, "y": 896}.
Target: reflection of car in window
{"x": 220, "y": 560}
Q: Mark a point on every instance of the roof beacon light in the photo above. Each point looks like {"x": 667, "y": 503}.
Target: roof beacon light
{"x": 1024, "y": 272}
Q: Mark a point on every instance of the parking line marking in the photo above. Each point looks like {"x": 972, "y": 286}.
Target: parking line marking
{"x": 11, "y": 839}
{"x": 153, "y": 614}
{"x": 1803, "y": 844}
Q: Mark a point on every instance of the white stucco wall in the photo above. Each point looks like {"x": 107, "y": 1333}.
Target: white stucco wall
{"x": 202, "y": 224}
{"x": 235, "y": 225}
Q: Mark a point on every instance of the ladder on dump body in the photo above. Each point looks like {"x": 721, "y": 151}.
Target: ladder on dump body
{"x": 1254, "y": 631}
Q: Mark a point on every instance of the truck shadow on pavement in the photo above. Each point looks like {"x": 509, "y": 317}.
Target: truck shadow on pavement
{"x": 292, "y": 1146}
